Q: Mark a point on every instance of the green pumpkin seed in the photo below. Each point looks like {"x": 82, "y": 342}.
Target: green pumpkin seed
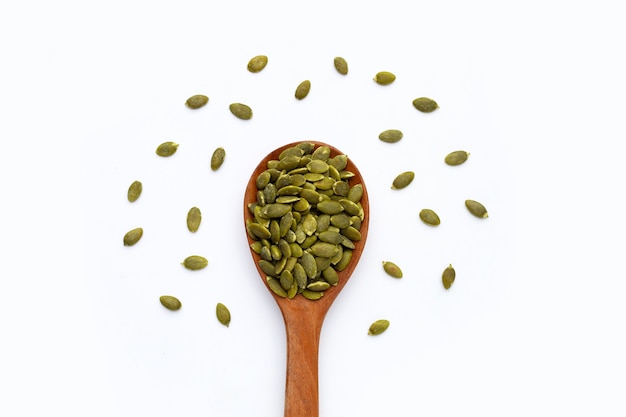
{"x": 448, "y": 276}
{"x": 276, "y": 288}
{"x": 384, "y": 78}
{"x": 425, "y": 104}
{"x": 194, "y": 217}
{"x": 308, "y": 263}
{"x": 275, "y": 210}
{"x": 241, "y": 111}
{"x": 195, "y": 262}
{"x": 402, "y": 180}
{"x": 197, "y": 101}
{"x": 430, "y": 217}
{"x": 392, "y": 269}
{"x": 312, "y": 295}
{"x": 318, "y": 286}
{"x": 223, "y": 314}
{"x": 390, "y": 136}
{"x": 330, "y": 207}
{"x": 346, "y": 257}
{"x": 217, "y": 159}
{"x": 324, "y": 249}
{"x": 134, "y": 191}
{"x": 330, "y": 275}
{"x": 257, "y": 63}
{"x": 476, "y": 209}
{"x": 258, "y": 230}
{"x": 341, "y": 65}
{"x": 456, "y": 158}
{"x": 303, "y": 89}
{"x": 167, "y": 149}
{"x": 378, "y": 327}
{"x": 133, "y": 236}
{"x": 170, "y": 302}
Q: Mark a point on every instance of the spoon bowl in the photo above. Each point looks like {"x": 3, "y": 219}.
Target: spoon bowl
{"x": 303, "y": 317}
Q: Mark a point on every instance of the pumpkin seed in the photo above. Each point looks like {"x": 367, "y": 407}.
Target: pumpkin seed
{"x": 195, "y": 262}
{"x": 241, "y": 111}
{"x": 341, "y": 65}
{"x": 402, "y": 180}
{"x": 303, "y": 89}
{"x": 390, "y": 136}
{"x": 223, "y": 314}
{"x": 312, "y": 295}
{"x": 217, "y": 159}
{"x": 133, "y": 236}
{"x": 392, "y": 269}
{"x": 425, "y": 104}
{"x": 384, "y": 78}
{"x": 303, "y": 216}
{"x": 257, "y": 63}
{"x": 378, "y": 327}
{"x": 476, "y": 209}
{"x": 456, "y": 158}
{"x": 447, "y": 277}
{"x": 197, "y": 101}
{"x": 134, "y": 191}
{"x": 276, "y": 288}
{"x": 194, "y": 217}
{"x": 170, "y": 302}
{"x": 430, "y": 217}
{"x": 167, "y": 149}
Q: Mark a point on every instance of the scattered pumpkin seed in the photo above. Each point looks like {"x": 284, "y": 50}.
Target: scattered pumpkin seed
{"x": 170, "y": 302}
{"x": 217, "y": 159}
{"x": 448, "y": 276}
{"x": 384, "y": 78}
{"x": 133, "y": 236}
{"x": 402, "y": 180}
{"x": 303, "y": 89}
{"x": 241, "y": 111}
{"x": 341, "y": 65}
{"x": 378, "y": 327}
{"x": 257, "y": 63}
{"x": 425, "y": 104}
{"x": 194, "y": 217}
{"x": 430, "y": 217}
{"x": 223, "y": 314}
{"x": 197, "y": 101}
{"x": 167, "y": 149}
{"x": 456, "y": 158}
{"x": 392, "y": 269}
{"x": 195, "y": 262}
{"x": 134, "y": 191}
{"x": 476, "y": 209}
{"x": 390, "y": 136}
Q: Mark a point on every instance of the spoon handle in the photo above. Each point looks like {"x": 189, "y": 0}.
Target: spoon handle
{"x": 301, "y": 392}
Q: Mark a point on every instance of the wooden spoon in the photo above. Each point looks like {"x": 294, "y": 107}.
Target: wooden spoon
{"x": 303, "y": 318}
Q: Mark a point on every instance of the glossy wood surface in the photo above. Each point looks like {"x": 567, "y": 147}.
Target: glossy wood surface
{"x": 304, "y": 318}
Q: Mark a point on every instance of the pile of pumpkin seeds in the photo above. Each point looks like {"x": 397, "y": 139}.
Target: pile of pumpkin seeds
{"x": 307, "y": 217}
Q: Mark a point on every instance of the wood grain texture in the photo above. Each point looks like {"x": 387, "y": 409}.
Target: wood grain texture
{"x": 304, "y": 318}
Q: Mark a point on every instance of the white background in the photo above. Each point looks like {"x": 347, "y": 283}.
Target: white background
{"x": 534, "y": 91}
